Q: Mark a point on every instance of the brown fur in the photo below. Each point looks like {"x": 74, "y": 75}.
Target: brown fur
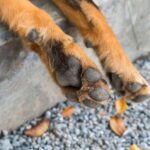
{"x": 24, "y": 18}
{"x": 100, "y": 36}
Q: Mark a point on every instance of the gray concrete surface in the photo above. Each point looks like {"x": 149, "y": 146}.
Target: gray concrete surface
{"x": 26, "y": 89}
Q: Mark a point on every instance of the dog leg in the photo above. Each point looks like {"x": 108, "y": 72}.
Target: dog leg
{"x": 68, "y": 63}
{"x": 87, "y": 17}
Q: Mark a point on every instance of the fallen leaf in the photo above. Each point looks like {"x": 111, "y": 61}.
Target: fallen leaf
{"x": 39, "y": 129}
{"x": 68, "y": 111}
{"x": 134, "y": 147}
{"x": 103, "y": 113}
{"x": 121, "y": 106}
{"x": 117, "y": 125}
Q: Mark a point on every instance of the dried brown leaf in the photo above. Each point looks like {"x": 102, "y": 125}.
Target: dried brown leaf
{"x": 68, "y": 111}
{"x": 134, "y": 147}
{"x": 121, "y": 106}
{"x": 103, "y": 113}
{"x": 117, "y": 125}
{"x": 39, "y": 129}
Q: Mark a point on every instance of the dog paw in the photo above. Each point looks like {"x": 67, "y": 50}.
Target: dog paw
{"x": 73, "y": 69}
{"x": 136, "y": 89}
{"x": 94, "y": 89}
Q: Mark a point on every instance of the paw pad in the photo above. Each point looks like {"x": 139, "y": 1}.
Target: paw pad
{"x": 33, "y": 35}
{"x": 92, "y": 75}
{"x": 116, "y": 81}
{"x": 70, "y": 75}
{"x": 99, "y": 94}
{"x": 134, "y": 87}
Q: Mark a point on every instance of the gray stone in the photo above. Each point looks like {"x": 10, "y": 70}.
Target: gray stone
{"x": 26, "y": 89}
{"x": 5, "y": 144}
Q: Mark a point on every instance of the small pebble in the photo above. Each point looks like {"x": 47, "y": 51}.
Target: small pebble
{"x": 86, "y": 129}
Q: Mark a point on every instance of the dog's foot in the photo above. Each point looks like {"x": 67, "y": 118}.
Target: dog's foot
{"x": 66, "y": 61}
{"x": 86, "y": 16}
{"x": 135, "y": 88}
{"x": 94, "y": 90}
{"x": 73, "y": 69}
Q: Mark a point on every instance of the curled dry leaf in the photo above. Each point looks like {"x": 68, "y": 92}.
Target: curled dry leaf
{"x": 121, "y": 106}
{"x": 103, "y": 113}
{"x": 117, "y": 125}
{"x": 134, "y": 147}
{"x": 39, "y": 129}
{"x": 68, "y": 111}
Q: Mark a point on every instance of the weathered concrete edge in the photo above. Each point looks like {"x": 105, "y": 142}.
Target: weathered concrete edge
{"x": 27, "y": 93}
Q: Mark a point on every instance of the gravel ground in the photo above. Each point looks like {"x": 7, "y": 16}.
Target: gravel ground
{"x": 87, "y": 129}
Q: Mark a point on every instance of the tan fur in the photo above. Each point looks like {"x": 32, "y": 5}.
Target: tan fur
{"x": 22, "y": 16}
{"x": 95, "y": 29}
